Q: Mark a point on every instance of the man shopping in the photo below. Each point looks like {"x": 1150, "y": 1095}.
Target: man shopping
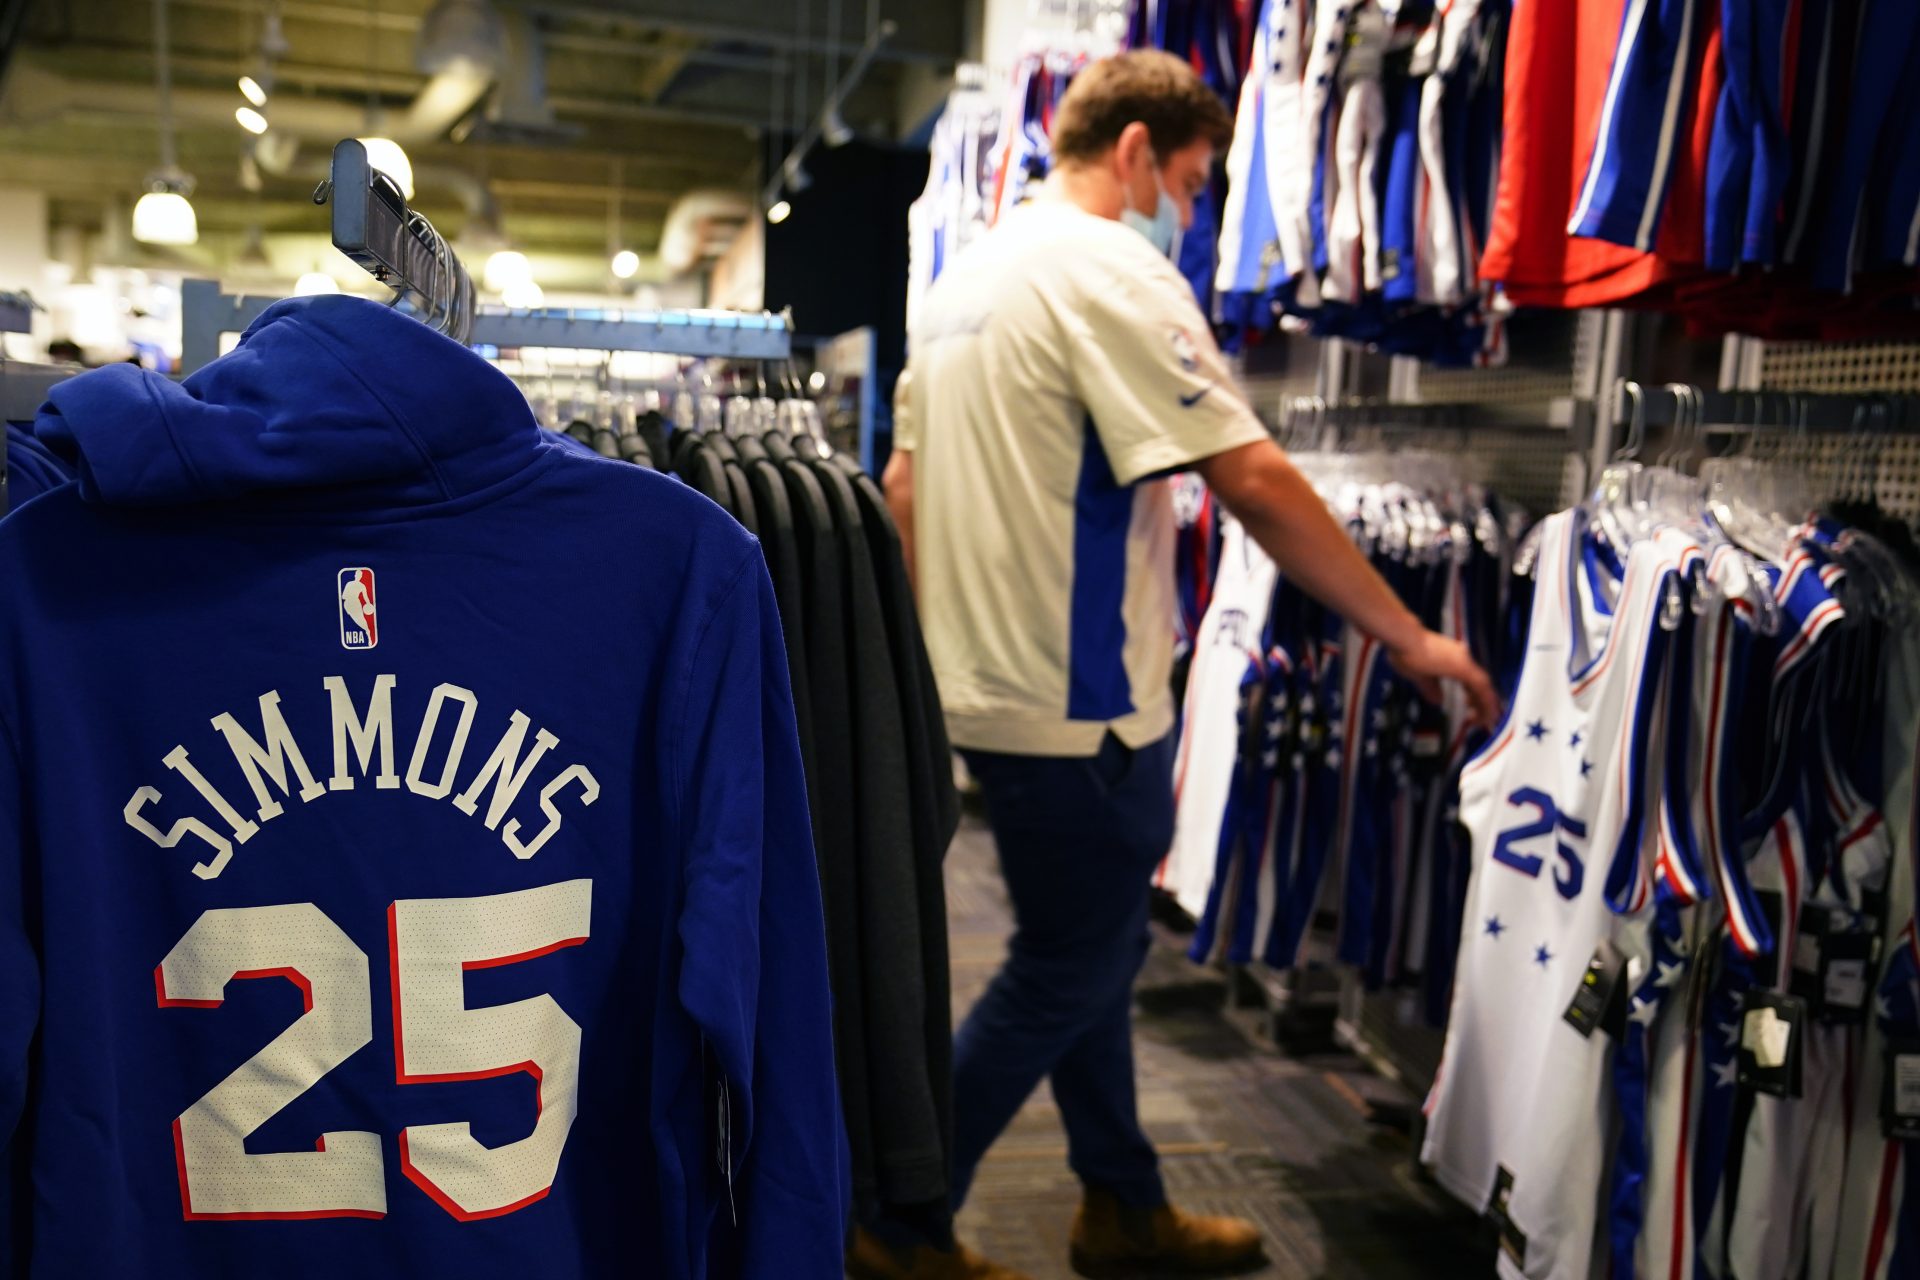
{"x": 1060, "y": 370}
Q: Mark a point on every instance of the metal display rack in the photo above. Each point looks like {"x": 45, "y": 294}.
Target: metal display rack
{"x": 1536, "y": 431}
{"x": 208, "y": 313}
{"x": 372, "y": 225}
{"x": 16, "y": 313}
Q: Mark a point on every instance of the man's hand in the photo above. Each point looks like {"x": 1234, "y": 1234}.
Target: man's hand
{"x": 1291, "y": 523}
{"x": 1431, "y": 658}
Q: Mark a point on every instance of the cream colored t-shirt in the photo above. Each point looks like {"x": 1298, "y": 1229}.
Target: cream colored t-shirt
{"x": 1060, "y": 369}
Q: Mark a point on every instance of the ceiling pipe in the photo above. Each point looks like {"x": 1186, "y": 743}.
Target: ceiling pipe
{"x": 35, "y": 95}
{"x": 697, "y": 223}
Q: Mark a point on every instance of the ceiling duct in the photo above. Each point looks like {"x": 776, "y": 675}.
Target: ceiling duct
{"x": 519, "y": 113}
{"x": 454, "y": 47}
{"x": 700, "y": 225}
{"x": 460, "y": 35}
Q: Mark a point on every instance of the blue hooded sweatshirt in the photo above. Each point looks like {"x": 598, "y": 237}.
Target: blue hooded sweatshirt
{"x": 32, "y": 468}
{"x": 404, "y": 857}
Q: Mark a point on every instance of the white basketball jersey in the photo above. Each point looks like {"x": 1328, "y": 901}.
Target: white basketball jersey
{"x": 1793, "y": 1169}
{"x": 1229, "y": 641}
{"x": 1881, "y": 1174}
{"x": 1559, "y": 806}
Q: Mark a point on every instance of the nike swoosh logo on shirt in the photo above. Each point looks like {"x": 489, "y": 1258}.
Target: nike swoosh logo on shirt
{"x": 1187, "y": 402}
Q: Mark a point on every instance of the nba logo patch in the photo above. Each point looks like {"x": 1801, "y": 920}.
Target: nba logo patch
{"x": 358, "y": 627}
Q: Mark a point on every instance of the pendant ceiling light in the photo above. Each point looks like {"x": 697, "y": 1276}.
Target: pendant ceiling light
{"x": 387, "y": 156}
{"x": 506, "y": 269}
{"x": 625, "y": 261}
{"x": 164, "y": 215}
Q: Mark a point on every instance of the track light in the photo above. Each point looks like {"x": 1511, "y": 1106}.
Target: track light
{"x": 250, "y": 89}
{"x": 625, "y": 263}
{"x": 250, "y": 120}
{"x": 778, "y": 212}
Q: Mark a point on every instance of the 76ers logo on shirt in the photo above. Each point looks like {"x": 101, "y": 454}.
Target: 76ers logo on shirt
{"x": 1184, "y": 350}
{"x": 359, "y": 629}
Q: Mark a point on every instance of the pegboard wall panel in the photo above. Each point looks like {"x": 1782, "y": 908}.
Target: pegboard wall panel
{"x": 1534, "y": 468}
{"x": 1843, "y": 367}
{"x": 1544, "y": 355}
{"x": 1841, "y": 466}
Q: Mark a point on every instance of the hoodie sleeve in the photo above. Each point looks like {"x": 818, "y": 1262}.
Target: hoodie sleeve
{"x": 19, "y": 1006}
{"x": 754, "y": 965}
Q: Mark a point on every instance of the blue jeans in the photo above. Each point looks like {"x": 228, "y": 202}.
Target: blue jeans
{"x": 1079, "y": 840}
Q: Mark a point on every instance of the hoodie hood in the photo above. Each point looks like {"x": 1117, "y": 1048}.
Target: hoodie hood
{"x": 328, "y": 402}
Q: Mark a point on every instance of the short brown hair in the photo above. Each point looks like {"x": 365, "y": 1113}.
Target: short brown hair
{"x": 1155, "y": 88}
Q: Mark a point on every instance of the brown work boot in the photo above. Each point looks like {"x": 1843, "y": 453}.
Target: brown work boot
{"x": 1111, "y": 1240}
{"x": 871, "y": 1259}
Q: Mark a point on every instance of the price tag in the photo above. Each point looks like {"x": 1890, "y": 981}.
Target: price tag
{"x": 1599, "y": 1002}
{"x": 1766, "y": 1036}
{"x": 1513, "y": 1241}
{"x": 1846, "y": 986}
{"x": 1770, "y": 1053}
{"x": 1900, "y": 1092}
{"x": 1806, "y": 952}
{"x": 1847, "y": 957}
{"x": 1368, "y": 34}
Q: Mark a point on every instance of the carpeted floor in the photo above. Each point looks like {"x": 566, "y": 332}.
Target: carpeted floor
{"x": 1241, "y": 1128}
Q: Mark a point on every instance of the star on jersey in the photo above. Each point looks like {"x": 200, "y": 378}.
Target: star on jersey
{"x": 1577, "y": 739}
{"x": 1883, "y": 1008}
{"x": 1586, "y": 767}
{"x": 1542, "y": 956}
{"x": 1725, "y": 1074}
{"x": 1494, "y": 927}
{"x": 1731, "y": 1030}
{"x": 1537, "y": 731}
{"x": 1669, "y": 973}
{"x": 1643, "y": 1010}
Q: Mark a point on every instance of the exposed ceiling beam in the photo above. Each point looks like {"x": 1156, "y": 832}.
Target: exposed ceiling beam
{"x": 577, "y": 193}
{"x": 702, "y": 19}
{"x": 309, "y": 10}
{"x": 90, "y": 56}
{"x": 629, "y": 109}
{"x": 610, "y": 46}
{"x": 12, "y": 14}
{"x": 653, "y": 82}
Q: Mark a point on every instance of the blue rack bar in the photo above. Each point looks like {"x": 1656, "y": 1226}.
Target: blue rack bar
{"x": 737, "y": 335}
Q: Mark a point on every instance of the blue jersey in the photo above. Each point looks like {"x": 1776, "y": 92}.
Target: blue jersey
{"x": 1747, "y": 160}
{"x": 329, "y": 902}
{"x": 1889, "y": 34}
{"x": 1262, "y": 245}
{"x": 1643, "y": 123}
{"x": 1894, "y": 202}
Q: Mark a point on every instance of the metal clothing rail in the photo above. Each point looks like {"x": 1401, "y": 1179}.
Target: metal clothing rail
{"x": 24, "y": 385}
{"x": 1660, "y": 406}
{"x": 16, "y": 313}
{"x": 736, "y": 335}
{"x": 207, "y": 313}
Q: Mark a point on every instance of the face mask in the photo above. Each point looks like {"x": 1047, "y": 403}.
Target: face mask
{"x": 1162, "y": 230}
